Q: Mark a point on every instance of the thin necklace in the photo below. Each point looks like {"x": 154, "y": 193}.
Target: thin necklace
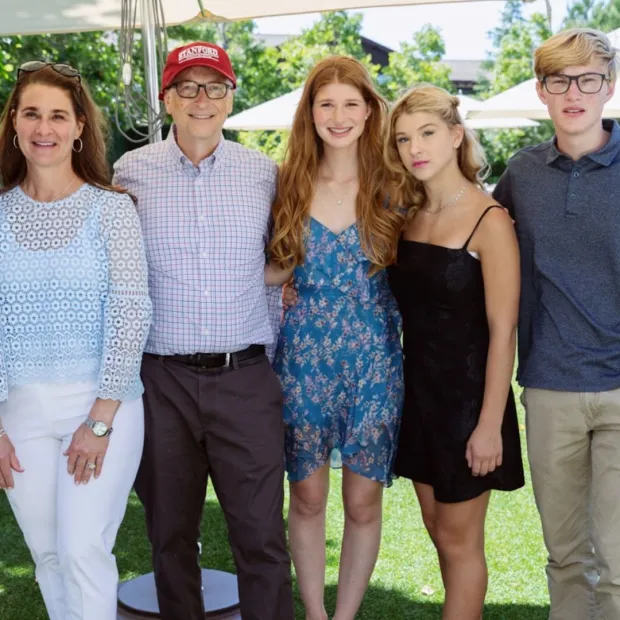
{"x": 57, "y": 196}
{"x": 333, "y": 193}
{"x": 450, "y": 202}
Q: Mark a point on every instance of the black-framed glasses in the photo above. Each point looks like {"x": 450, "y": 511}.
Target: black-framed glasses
{"x": 587, "y": 83}
{"x": 36, "y": 65}
{"x": 188, "y": 89}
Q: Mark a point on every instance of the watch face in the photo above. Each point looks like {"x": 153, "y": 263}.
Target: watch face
{"x": 100, "y": 429}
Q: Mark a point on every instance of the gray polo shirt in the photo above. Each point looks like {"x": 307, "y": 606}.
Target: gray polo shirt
{"x": 567, "y": 216}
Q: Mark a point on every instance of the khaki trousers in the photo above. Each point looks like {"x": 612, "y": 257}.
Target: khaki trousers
{"x": 574, "y": 452}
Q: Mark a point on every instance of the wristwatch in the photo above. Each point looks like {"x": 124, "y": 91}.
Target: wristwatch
{"x": 99, "y": 429}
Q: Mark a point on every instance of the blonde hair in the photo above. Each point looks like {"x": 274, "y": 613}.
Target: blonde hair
{"x": 378, "y": 225}
{"x": 405, "y": 190}
{"x": 574, "y": 47}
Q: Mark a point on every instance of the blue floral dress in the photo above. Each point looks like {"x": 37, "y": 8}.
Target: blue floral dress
{"x": 340, "y": 362}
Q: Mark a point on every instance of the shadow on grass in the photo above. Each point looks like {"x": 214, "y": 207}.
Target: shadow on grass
{"x": 20, "y": 597}
{"x": 386, "y": 604}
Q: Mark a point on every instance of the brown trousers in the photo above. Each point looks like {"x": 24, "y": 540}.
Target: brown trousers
{"x": 225, "y": 424}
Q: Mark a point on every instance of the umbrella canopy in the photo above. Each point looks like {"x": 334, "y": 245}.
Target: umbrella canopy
{"x": 271, "y": 115}
{"x": 49, "y": 16}
{"x": 278, "y": 114}
{"x": 468, "y": 107}
{"x": 522, "y": 100}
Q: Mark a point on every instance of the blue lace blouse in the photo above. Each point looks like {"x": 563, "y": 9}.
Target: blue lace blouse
{"x": 74, "y": 303}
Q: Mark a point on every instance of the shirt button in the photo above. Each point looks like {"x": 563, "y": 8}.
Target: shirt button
{"x": 575, "y": 174}
{"x": 573, "y": 196}
{"x": 205, "y": 293}
{"x": 204, "y": 255}
{"x": 205, "y": 331}
{"x": 201, "y": 218}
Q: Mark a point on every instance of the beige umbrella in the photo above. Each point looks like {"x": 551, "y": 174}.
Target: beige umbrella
{"x": 46, "y": 16}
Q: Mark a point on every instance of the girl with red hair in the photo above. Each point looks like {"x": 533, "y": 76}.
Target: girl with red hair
{"x": 339, "y": 356}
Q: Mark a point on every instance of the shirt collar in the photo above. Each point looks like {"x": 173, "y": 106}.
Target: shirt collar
{"x": 181, "y": 159}
{"x": 604, "y": 156}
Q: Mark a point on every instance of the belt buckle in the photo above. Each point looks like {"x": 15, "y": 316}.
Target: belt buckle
{"x": 226, "y": 363}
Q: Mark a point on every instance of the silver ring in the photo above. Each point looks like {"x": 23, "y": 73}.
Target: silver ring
{"x": 91, "y": 465}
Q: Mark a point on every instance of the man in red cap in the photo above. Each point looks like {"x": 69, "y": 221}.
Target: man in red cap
{"x": 213, "y": 404}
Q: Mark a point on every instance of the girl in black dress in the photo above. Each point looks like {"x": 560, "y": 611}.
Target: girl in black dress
{"x": 457, "y": 284}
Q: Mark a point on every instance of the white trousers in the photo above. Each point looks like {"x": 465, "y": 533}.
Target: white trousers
{"x": 70, "y": 529}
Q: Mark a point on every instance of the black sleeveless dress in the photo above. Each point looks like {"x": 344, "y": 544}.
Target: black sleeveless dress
{"x": 440, "y": 292}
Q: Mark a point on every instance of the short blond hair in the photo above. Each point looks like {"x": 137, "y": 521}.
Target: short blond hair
{"x": 577, "y": 46}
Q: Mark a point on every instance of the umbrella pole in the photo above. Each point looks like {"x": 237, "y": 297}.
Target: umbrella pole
{"x": 150, "y": 67}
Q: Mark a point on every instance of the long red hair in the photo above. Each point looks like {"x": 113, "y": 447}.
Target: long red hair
{"x": 377, "y": 223}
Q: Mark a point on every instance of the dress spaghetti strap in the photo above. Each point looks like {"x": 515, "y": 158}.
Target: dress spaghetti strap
{"x": 473, "y": 232}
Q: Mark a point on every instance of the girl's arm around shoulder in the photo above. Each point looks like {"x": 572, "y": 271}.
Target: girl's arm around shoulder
{"x": 276, "y": 276}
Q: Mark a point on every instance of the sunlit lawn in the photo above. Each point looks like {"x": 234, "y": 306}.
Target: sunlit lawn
{"x": 406, "y": 583}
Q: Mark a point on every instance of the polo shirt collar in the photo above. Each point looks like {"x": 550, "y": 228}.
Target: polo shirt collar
{"x": 604, "y": 156}
{"x": 608, "y": 154}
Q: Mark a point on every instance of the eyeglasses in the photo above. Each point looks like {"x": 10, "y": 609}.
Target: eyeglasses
{"x": 189, "y": 89}
{"x": 587, "y": 83}
{"x": 36, "y": 65}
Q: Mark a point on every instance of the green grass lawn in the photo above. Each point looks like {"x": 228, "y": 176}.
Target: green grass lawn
{"x": 406, "y": 583}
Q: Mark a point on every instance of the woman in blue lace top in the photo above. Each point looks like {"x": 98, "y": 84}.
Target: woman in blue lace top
{"x": 74, "y": 316}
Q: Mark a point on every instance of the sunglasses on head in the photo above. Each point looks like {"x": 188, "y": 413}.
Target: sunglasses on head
{"x": 36, "y": 65}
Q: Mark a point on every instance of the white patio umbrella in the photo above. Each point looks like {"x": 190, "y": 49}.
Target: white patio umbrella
{"x": 522, "y": 100}
{"x": 274, "y": 114}
{"x": 468, "y": 107}
{"x": 46, "y": 16}
{"x": 278, "y": 114}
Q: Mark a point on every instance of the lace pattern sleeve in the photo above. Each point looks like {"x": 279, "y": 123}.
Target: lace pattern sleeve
{"x": 4, "y": 384}
{"x": 127, "y": 311}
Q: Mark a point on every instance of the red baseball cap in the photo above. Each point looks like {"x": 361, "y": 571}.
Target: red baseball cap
{"x": 197, "y": 54}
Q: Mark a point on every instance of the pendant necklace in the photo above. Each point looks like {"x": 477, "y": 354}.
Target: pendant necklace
{"x": 339, "y": 201}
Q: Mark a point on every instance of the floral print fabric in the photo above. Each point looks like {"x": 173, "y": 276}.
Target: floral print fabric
{"x": 339, "y": 360}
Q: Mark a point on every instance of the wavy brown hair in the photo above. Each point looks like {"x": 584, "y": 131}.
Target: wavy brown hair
{"x": 405, "y": 190}
{"x": 90, "y": 164}
{"x": 378, "y": 225}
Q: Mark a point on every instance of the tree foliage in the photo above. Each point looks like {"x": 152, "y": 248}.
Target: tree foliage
{"x": 510, "y": 63}
{"x": 514, "y": 42}
{"x": 600, "y": 14}
{"x": 416, "y": 62}
{"x": 94, "y": 54}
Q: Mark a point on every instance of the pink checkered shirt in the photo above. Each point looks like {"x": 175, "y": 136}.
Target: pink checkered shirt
{"x": 205, "y": 230}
